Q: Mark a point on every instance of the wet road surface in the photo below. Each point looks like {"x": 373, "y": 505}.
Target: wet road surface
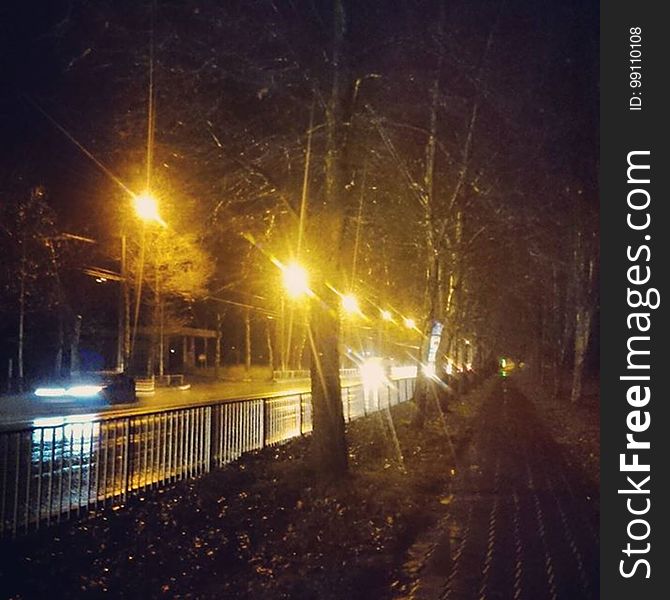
{"x": 27, "y": 408}
{"x": 523, "y": 523}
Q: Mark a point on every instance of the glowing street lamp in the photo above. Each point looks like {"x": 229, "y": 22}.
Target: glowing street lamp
{"x": 386, "y": 315}
{"x": 350, "y": 304}
{"x": 409, "y": 323}
{"x": 296, "y": 281}
{"x": 146, "y": 207}
{"x": 372, "y": 373}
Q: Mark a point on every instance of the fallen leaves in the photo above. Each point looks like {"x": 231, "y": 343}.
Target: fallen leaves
{"x": 263, "y": 527}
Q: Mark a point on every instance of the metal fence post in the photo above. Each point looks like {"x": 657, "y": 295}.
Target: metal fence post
{"x": 348, "y": 404}
{"x": 211, "y": 442}
{"x": 15, "y": 512}
{"x": 264, "y": 424}
{"x": 127, "y": 463}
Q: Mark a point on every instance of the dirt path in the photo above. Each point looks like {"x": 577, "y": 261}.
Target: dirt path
{"x": 522, "y": 524}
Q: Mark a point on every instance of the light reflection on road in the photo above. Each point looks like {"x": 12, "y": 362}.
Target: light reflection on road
{"x": 83, "y": 428}
{"x": 26, "y": 409}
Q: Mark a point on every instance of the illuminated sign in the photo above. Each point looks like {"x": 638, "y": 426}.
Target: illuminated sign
{"x": 434, "y": 342}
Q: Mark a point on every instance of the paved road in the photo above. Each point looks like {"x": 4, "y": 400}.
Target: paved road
{"x": 523, "y": 523}
{"x": 27, "y": 408}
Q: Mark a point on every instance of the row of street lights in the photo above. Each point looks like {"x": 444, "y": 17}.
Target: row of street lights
{"x": 296, "y": 284}
{"x": 295, "y": 281}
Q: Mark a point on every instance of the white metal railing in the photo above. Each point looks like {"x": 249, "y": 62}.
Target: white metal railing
{"x": 292, "y": 374}
{"x": 352, "y": 373}
{"x": 62, "y": 466}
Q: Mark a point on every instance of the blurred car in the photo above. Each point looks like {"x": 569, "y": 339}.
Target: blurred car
{"x": 112, "y": 388}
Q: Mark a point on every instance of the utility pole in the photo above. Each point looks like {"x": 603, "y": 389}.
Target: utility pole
{"x": 268, "y": 339}
{"x": 217, "y": 349}
{"x": 282, "y": 334}
{"x": 123, "y": 319}
{"x": 22, "y": 313}
{"x": 247, "y": 341}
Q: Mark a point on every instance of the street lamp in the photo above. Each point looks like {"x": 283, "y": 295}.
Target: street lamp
{"x": 296, "y": 281}
{"x": 146, "y": 207}
{"x": 386, "y": 315}
{"x": 350, "y": 304}
{"x": 409, "y": 323}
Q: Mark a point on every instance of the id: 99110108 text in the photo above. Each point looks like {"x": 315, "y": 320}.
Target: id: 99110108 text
{"x": 635, "y": 66}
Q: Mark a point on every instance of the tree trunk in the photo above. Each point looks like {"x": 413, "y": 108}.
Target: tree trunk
{"x": 121, "y": 352}
{"x": 329, "y": 449}
{"x": 558, "y": 318}
{"x": 191, "y": 352}
{"x": 150, "y": 356}
{"x": 328, "y": 439}
{"x": 582, "y": 332}
{"x": 10, "y": 374}
{"x": 271, "y": 356}
{"x": 290, "y": 360}
{"x": 583, "y": 316}
{"x": 126, "y": 325}
{"x": 281, "y": 333}
{"x": 58, "y": 364}
{"x": 161, "y": 340}
{"x": 433, "y": 274}
{"x": 155, "y": 333}
{"x": 74, "y": 347}
{"x": 301, "y": 349}
{"x": 22, "y": 316}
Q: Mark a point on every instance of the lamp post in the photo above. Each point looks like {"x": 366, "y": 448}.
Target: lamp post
{"x": 295, "y": 280}
{"x": 123, "y": 340}
{"x": 350, "y": 308}
{"x": 386, "y": 317}
{"x": 282, "y": 333}
{"x": 146, "y": 208}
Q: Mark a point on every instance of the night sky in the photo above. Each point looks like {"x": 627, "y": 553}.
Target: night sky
{"x": 85, "y": 64}
{"x": 543, "y": 72}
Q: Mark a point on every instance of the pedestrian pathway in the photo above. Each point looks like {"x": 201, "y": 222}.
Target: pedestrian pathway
{"x": 523, "y": 524}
